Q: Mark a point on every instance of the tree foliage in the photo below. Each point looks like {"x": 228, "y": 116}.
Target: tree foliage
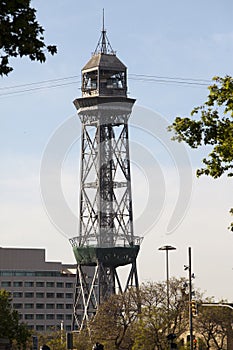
{"x": 113, "y": 322}
{"x": 214, "y": 325}
{"x": 211, "y": 125}
{"x": 10, "y": 326}
{"x": 20, "y": 34}
{"x": 53, "y": 338}
{"x": 155, "y": 321}
{"x": 119, "y": 324}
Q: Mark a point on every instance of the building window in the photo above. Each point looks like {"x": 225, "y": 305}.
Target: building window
{"x": 68, "y": 328}
{"x": 68, "y": 317}
{"x": 30, "y": 327}
{"x": 69, "y": 285}
{"x": 29, "y": 295}
{"x": 40, "y": 328}
{"x": 69, "y": 306}
{"x": 28, "y": 284}
{"x": 50, "y": 284}
{"x": 60, "y": 306}
{"x": 17, "y": 306}
{"x": 69, "y": 295}
{"x": 17, "y": 295}
{"x": 60, "y": 284}
{"x": 39, "y": 295}
{"x": 29, "y": 317}
{"x": 40, "y": 316}
{"x": 50, "y": 317}
{"x": 50, "y": 295}
{"x": 17, "y": 284}
{"x": 50, "y": 306}
{"x": 29, "y": 306}
{"x": 6, "y": 283}
{"x": 40, "y": 306}
{"x": 60, "y": 317}
{"x": 60, "y": 295}
{"x": 40, "y": 284}
{"x": 6, "y": 273}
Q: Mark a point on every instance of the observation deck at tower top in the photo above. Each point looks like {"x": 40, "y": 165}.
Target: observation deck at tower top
{"x": 104, "y": 74}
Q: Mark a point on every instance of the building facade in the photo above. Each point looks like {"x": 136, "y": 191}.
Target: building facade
{"x": 42, "y": 292}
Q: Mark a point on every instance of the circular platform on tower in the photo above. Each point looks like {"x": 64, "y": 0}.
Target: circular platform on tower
{"x": 112, "y": 256}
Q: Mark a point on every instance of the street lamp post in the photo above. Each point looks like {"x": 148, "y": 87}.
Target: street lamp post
{"x": 190, "y": 299}
{"x": 191, "y": 276}
{"x": 167, "y": 248}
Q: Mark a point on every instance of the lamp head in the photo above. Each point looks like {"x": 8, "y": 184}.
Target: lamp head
{"x": 167, "y": 247}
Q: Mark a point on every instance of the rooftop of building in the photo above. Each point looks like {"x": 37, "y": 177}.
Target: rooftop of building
{"x": 30, "y": 259}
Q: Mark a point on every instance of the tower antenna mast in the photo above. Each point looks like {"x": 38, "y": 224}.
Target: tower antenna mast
{"x": 103, "y": 45}
{"x": 103, "y": 21}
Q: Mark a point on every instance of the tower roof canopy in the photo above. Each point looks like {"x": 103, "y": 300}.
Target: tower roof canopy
{"x": 104, "y": 56}
{"x": 104, "y": 74}
{"x": 105, "y": 61}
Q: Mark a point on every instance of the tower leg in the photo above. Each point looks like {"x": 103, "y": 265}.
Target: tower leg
{"x": 96, "y": 287}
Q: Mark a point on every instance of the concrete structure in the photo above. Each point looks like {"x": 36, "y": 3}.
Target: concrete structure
{"x": 41, "y": 291}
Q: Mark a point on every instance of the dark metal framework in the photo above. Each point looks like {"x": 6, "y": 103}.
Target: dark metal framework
{"x": 106, "y": 240}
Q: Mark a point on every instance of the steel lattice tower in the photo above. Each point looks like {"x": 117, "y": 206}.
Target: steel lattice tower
{"x": 106, "y": 239}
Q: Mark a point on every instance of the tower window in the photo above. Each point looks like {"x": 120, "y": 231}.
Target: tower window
{"x": 112, "y": 80}
{"x": 90, "y": 80}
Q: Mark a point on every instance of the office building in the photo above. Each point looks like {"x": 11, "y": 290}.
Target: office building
{"x": 42, "y": 292}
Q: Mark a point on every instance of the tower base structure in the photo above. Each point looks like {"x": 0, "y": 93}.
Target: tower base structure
{"x": 98, "y": 278}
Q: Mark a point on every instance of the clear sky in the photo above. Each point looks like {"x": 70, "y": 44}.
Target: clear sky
{"x": 182, "y": 39}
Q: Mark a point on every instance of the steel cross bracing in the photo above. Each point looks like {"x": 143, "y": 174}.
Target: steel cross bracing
{"x": 87, "y": 296}
{"x": 105, "y": 198}
{"x": 106, "y": 239}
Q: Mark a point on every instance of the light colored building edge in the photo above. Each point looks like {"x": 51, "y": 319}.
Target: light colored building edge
{"x": 42, "y": 292}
